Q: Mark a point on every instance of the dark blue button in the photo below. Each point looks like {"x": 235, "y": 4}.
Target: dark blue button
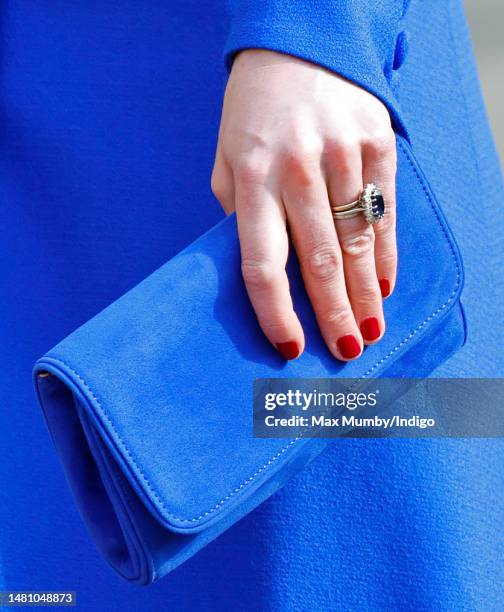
{"x": 401, "y": 49}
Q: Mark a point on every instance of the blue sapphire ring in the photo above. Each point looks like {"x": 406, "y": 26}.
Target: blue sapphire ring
{"x": 370, "y": 204}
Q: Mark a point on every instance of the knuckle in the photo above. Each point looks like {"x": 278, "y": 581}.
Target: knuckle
{"x": 342, "y": 153}
{"x": 251, "y": 170}
{"x": 257, "y": 274}
{"x": 323, "y": 263}
{"x": 348, "y": 147}
{"x": 380, "y": 144}
{"x": 380, "y": 141}
{"x": 337, "y": 316}
{"x": 367, "y": 295}
{"x": 300, "y": 152}
{"x": 301, "y": 164}
{"x": 387, "y": 258}
{"x": 274, "y": 326}
{"x": 357, "y": 244}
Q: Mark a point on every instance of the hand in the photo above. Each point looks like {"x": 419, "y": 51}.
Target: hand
{"x": 293, "y": 138}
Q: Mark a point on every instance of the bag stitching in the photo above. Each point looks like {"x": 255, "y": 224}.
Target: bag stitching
{"x": 450, "y": 243}
{"x": 237, "y": 489}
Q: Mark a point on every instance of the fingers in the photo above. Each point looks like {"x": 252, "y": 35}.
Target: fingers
{"x": 347, "y": 266}
{"x": 379, "y": 167}
{"x": 356, "y": 238}
{"x": 264, "y": 249}
{"x": 319, "y": 253}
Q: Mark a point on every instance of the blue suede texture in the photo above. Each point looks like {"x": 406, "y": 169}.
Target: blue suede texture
{"x": 109, "y": 118}
{"x": 170, "y": 412}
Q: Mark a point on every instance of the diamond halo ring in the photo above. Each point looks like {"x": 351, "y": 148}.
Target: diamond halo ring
{"x": 371, "y": 204}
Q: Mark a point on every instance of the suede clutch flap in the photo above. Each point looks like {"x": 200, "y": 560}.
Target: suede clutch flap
{"x": 149, "y": 403}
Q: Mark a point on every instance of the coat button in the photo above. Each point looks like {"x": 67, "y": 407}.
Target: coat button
{"x": 401, "y": 50}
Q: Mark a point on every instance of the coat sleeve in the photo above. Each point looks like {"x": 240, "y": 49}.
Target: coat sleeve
{"x": 354, "y": 38}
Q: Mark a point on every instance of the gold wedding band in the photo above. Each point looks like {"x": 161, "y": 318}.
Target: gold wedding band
{"x": 371, "y": 204}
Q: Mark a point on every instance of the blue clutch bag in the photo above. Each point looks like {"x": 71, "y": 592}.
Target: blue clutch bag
{"x": 149, "y": 403}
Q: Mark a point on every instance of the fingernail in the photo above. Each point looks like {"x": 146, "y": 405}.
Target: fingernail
{"x": 384, "y": 287}
{"x": 288, "y": 350}
{"x": 370, "y": 329}
{"x": 348, "y": 346}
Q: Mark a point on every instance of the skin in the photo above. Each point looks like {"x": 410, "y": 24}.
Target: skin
{"x": 293, "y": 138}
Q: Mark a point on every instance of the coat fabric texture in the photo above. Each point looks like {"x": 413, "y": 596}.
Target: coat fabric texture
{"x": 109, "y": 117}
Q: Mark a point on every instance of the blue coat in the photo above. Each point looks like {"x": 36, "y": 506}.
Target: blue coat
{"x": 108, "y": 129}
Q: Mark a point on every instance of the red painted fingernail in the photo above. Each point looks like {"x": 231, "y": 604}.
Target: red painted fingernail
{"x": 384, "y": 287}
{"x": 288, "y": 350}
{"x": 370, "y": 329}
{"x": 348, "y": 346}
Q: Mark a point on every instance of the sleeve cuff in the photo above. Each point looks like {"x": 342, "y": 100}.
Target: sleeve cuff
{"x": 354, "y": 39}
